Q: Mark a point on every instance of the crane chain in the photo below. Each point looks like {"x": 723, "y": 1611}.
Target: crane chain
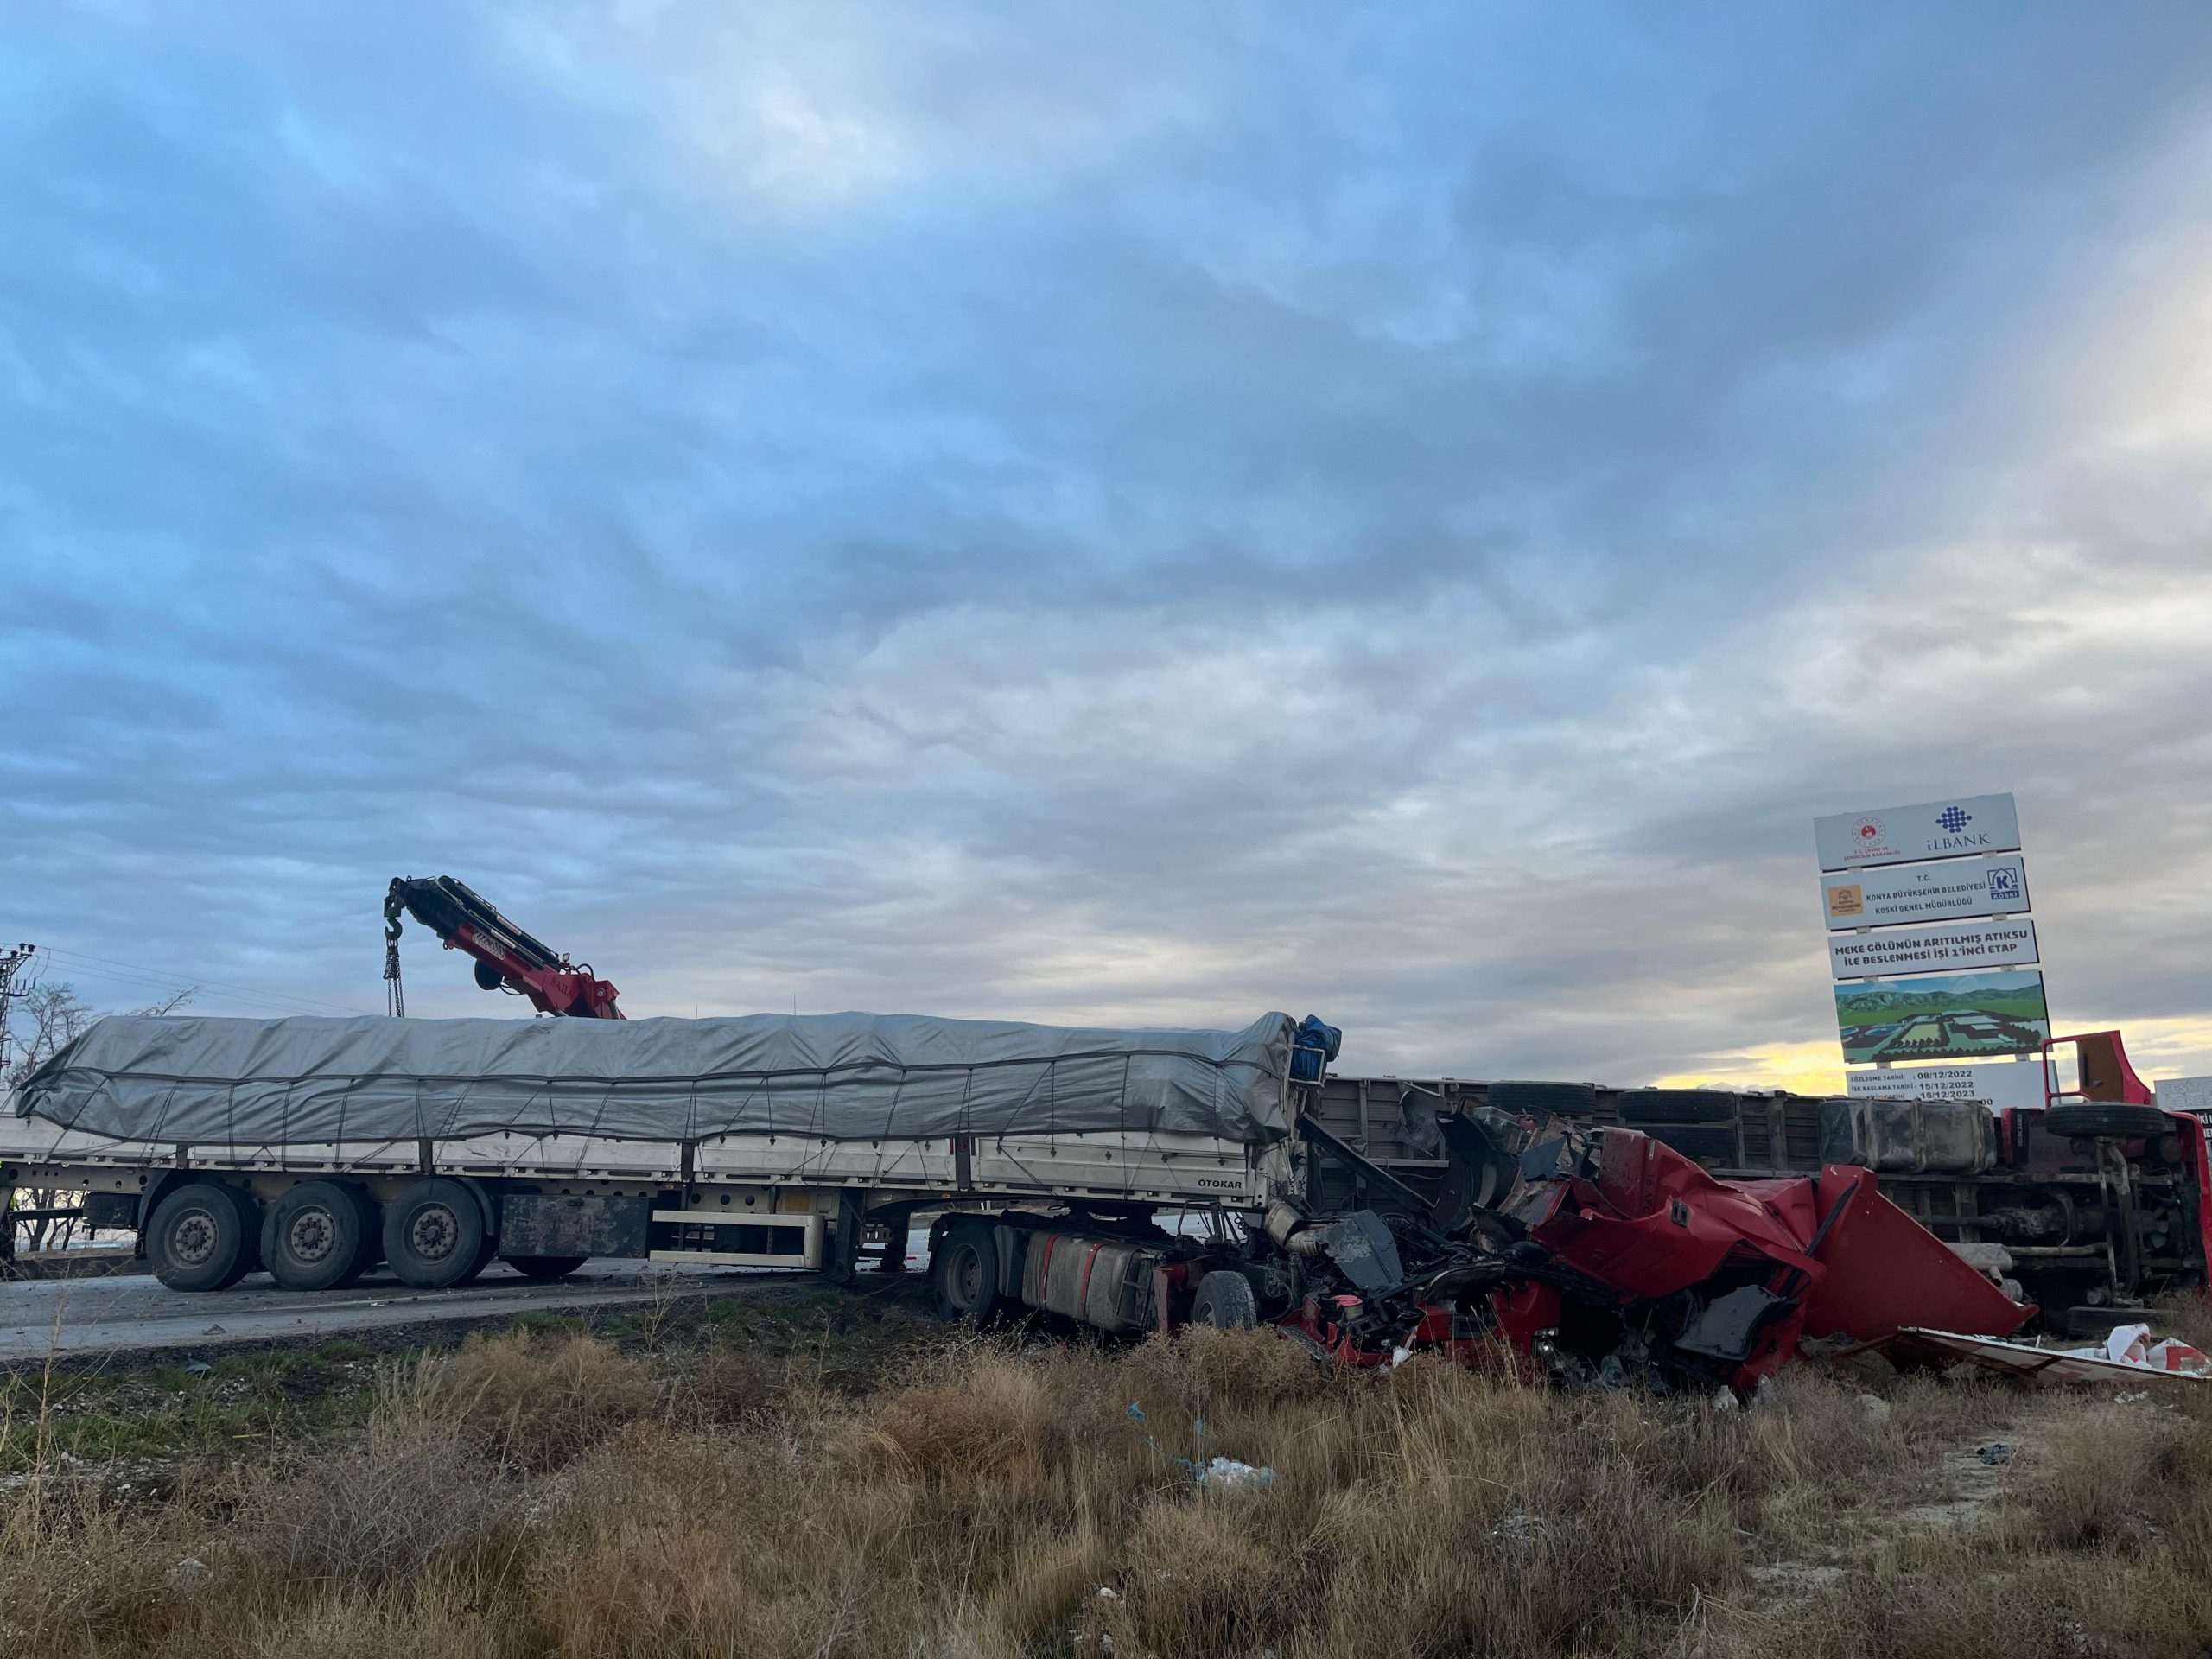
{"x": 395, "y": 994}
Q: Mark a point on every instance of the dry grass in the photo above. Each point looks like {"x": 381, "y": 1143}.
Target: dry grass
{"x": 2098, "y": 1542}
{"x": 986, "y": 1425}
{"x": 532, "y": 1398}
{"x": 536, "y": 1492}
{"x": 2188, "y": 1315}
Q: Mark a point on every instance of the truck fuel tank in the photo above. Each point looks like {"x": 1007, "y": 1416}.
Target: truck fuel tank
{"x": 1101, "y": 1282}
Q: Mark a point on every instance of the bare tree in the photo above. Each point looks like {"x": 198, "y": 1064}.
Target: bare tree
{"x": 42, "y": 1020}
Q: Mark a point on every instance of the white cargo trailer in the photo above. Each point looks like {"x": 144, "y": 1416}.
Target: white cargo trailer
{"x": 315, "y": 1148}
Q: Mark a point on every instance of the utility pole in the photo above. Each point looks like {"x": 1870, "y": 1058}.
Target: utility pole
{"x": 12, "y": 958}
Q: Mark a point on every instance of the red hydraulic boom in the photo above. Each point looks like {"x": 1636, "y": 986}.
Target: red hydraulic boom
{"x": 507, "y": 959}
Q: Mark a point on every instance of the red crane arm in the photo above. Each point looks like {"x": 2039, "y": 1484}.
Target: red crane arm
{"x": 507, "y": 958}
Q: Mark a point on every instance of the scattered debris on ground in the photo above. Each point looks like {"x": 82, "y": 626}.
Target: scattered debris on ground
{"x": 2128, "y": 1356}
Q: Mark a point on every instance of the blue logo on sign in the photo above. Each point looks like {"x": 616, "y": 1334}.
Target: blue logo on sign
{"x": 2004, "y": 883}
{"x": 1954, "y": 820}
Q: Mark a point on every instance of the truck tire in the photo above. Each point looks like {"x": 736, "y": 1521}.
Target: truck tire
{"x": 434, "y": 1235}
{"x": 1542, "y": 1099}
{"x": 544, "y": 1267}
{"x": 249, "y": 1209}
{"x": 2117, "y": 1120}
{"x": 1706, "y": 1143}
{"x": 964, "y": 1271}
{"x": 202, "y": 1237}
{"x": 1678, "y": 1106}
{"x": 1225, "y": 1302}
{"x": 320, "y": 1235}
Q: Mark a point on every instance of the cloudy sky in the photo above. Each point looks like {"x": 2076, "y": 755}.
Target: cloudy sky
{"x": 1138, "y": 514}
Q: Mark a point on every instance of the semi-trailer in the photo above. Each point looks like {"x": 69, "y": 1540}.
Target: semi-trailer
{"x": 315, "y": 1148}
{"x": 1365, "y": 1217}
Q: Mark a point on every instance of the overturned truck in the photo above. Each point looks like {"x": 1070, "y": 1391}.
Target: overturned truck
{"x": 1128, "y": 1180}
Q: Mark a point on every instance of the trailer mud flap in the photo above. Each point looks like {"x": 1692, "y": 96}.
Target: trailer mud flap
{"x": 1012, "y": 1244}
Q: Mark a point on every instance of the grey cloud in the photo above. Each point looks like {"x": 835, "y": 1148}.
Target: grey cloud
{"x": 1159, "y": 520}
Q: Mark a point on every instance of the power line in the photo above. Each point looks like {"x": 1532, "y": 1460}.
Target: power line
{"x": 70, "y": 975}
{"x": 72, "y": 972}
{"x": 145, "y": 975}
{"x": 197, "y": 981}
{"x": 155, "y": 988}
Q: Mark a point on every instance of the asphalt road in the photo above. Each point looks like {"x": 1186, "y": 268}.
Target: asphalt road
{"x": 129, "y": 1312}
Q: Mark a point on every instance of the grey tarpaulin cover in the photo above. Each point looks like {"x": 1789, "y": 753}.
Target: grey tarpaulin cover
{"x": 841, "y": 1077}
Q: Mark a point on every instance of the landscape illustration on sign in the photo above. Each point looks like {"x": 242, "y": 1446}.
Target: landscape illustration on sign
{"x": 1933, "y": 1016}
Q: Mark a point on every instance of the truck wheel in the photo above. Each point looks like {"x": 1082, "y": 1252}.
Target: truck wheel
{"x": 1542, "y": 1099}
{"x": 545, "y": 1266}
{"x": 964, "y": 1269}
{"x": 199, "y": 1238}
{"x": 1677, "y": 1106}
{"x": 1706, "y": 1143}
{"x": 319, "y": 1235}
{"x": 249, "y": 1209}
{"x": 434, "y": 1235}
{"x": 2118, "y": 1120}
{"x": 1225, "y": 1302}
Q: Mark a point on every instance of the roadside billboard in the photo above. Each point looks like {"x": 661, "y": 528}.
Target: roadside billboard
{"x": 1897, "y": 835}
{"x": 1922, "y": 950}
{"x": 1948, "y": 890}
{"x": 1943, "y": 1016}
{"x": 2000, "y": 1085}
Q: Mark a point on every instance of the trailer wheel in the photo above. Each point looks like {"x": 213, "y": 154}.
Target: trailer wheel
{"x": 545, "y": 1266}
{"x": 1678, "y": 1106}
{"x": 320, "y": 1235}
{"x": 372, "y": 1227}
{"x": 199, "y": 1238}
{"x": 249, "y": 1209}
{"x": 2118, "y": 1119}
{"x": 964, "y": 1269}
{"x": 1705, "y": 1143}
{"x": 1517, "y": 1099}
{"x": 434, "y": 1235}
{"x": 1225, "y": 1302}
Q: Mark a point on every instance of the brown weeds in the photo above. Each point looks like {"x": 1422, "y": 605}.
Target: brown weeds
{"x": 536, "y": 1398}
{"x": 540, "y": 1492}
{"x": 988, "y": 1423}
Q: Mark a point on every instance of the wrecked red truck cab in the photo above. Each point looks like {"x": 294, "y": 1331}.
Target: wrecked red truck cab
{"x": 1735, "y": 1273}
{"x": 1632, "y": 1263}
{"x": 1610, "y": 1257}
